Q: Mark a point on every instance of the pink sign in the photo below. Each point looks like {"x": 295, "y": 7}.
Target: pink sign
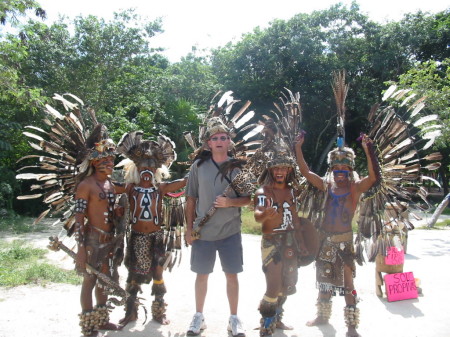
{"x": 400, "y": 286}
{"x": 394, "y": 256}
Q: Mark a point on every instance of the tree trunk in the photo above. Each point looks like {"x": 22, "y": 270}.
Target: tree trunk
{"x": 442, "y": 171}
{"x": 438, "y": 211}
{"x": 324, "y": 154}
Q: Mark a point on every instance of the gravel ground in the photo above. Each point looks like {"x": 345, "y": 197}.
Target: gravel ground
{"x": 52, "y": 310}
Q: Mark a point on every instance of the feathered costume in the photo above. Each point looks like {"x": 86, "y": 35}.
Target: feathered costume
{"x": 290, "y": 241}
{"x": 397, "y": 162}
{"x": 67, "y": 150}
{"x": 149, "y": 250}
{"x": 402, "y": 135}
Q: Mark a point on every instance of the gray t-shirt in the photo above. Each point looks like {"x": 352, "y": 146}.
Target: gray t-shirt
{"x": 205, "y": 184}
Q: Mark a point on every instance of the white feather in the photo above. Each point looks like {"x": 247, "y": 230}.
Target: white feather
{"x": 75, "y": 98}
{"x": 406, "y": 100}
{"x": 224, "y": 98}
{"x": 32, "y": 135}
{"x": 417, "y": 109}
{"x": 389, "y": 92}
{"x": 425, "y": 119}
{"x": 429, "y": 144}
{"x": 432, "y": 134}
{"x": 35, "y": 128}
{"x": 255, "y": 131}
{"x": 53, "y": 112}
{"x": 76, "y": 120}
{"x": 244, "y": 119}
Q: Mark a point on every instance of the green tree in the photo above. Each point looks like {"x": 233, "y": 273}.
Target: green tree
{"x": 432, "y": 80}
{"x": 18, "y": 102}
{"x": 301, "y": 53}
{"x": 11, "y": 10}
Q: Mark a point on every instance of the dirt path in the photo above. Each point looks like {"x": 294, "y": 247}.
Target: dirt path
{"x": 52, "y": 310}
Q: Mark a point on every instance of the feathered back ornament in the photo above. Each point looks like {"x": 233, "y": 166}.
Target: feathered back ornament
{"x": 340, "y": 90}
{"x": 341, "y": 155}
{"x": 279, "y": 133}
{"x": 402, "y": 135}
{"x": 64, "y": 152}
{"x": 221, "y": 117}
{"x": 148, "y": 153}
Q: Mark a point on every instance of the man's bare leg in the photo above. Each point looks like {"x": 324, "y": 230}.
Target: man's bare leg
{"x": 323, "y": 310}
{"x": 101, "y": 298}
{"x": 351, "y": 313}
{"x": 201, "y": 288}
{"x": 131, "y": 313}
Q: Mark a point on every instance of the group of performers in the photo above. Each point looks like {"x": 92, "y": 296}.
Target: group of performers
{"x": 283, "y": 244}
{"x": 145, "y": 166}
{"x": 213, "y": 224}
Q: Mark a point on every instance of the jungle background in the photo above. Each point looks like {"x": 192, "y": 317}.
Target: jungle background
{"x": 114, "y": 68}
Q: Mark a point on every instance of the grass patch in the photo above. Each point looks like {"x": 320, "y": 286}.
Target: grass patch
{"x": 249, "y": 225}
{"x": 446, "y": 211}
{"x": 439, "y": 225}
{"x": 18, "y": 224}
{"x": 22, "y": 264}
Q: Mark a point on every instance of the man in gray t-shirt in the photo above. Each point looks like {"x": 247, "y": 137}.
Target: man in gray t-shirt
{"x": 222, "y": 232}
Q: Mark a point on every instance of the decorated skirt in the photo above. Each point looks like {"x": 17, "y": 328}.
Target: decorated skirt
{"x": 100, "y": 250}
{"x": 336, "y": 251}
{"x": 144, "y": 252}
{"x": 282, "y": 247}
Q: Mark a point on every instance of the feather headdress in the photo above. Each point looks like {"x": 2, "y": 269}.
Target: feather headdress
{"x": 148, "y": 153}
{"x": 222, "y": 117}
{"x": 65, "y": 152}
{"x": 279, "y": 133}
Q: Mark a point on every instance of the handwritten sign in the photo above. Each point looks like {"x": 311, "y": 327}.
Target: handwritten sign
{"x": 395, "y": 256}
{"x": 400, "y": 286}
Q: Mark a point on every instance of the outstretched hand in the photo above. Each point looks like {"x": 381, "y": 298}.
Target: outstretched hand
{"x": 365, "y": 141}
{"x": 299, "y": 139}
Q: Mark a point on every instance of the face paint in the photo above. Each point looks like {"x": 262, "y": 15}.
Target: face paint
{"x": 104, "y": 165}
{"x": 344, "y": 172}
{"x": 144, "y": 175}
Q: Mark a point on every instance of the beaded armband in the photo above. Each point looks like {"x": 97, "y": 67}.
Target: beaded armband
{"x": 80, "y": 206}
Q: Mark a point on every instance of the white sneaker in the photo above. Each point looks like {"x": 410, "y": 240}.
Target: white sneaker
{"x": 197, "y": 324}
{"x": 235, "y": 326}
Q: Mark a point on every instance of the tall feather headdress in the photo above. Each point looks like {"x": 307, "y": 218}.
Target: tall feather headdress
{"x": 151, "y": 153}
{"x": 222, "y": 117}
{"x": 280, "y": 132}
{"x": 65, "y": 151}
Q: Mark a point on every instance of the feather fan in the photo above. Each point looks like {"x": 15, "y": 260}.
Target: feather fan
{"x": 61, "y": 148}
{"x": 384, "y": 209}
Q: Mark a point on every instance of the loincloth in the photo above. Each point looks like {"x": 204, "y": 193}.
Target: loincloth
{"x": 335, "y": 252}
{"x": 282, "y": 247}
{"x": 144, "y": 252}
{"x": 100, "y": 248}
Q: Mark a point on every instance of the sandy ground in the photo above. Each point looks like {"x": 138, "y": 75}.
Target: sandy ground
{"x": 52, "y": 310}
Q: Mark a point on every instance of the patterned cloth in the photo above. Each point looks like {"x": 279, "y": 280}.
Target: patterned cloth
{"x": 144, "y": 252}
{"x": 336, "y": 251}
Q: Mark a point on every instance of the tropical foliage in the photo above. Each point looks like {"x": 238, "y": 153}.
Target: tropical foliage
{"x": 116, "y": 70}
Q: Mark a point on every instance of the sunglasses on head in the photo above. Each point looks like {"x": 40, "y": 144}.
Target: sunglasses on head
{"x": 222, "y": 138}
